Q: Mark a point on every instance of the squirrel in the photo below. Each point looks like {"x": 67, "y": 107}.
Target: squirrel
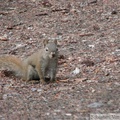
{"x": 38, "y": 66}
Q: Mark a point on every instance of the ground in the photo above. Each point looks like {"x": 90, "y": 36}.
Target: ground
{"x": 88, "y": 78}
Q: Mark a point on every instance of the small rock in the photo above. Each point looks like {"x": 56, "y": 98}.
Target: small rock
{"x": 33, "y": 0}
{"x": 95, "y": 105}
{"x": 110, "y": 102}
{"x": 39, "y": 90}
{"x": 84, "y": 41}
{"x": 92, "y": 90}
{"x": 33, "y": 89}
{"x": 89, "y": 81}
{"x": 57, "y": 110}
{"x": 117, "y": 83}
{"x": 30, "y": 28}
{"x": 47, "y": 113}
{"x": 5, "y": 96}
{"x": 3, "y": 38}
{"x": 68, "y": 114}
{"x": 91, "y": 46}
{"x": 117, "y": 50}
{"x": 76, "y": 71}
{"x": 66, "y": 19}
{"x": 83, "y": 4}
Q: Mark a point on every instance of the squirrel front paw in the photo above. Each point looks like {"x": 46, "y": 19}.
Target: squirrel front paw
{"x": 42, "y": 81}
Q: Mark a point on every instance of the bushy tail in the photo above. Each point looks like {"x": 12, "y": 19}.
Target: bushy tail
{"x": 12, "y": 63}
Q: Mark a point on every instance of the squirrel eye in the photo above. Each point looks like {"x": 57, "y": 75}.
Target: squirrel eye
{"x": 46, "y": 49}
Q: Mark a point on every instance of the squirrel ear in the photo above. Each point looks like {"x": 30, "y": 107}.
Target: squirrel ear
{"x": 55, "y": 41}
{"x": 45, "y": 42}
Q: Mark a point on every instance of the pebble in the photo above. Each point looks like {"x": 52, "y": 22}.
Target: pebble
{"x": 47, "y": 113}
{"x": 33, "y": 89}
{"x": 57, "y": 110}
{"x": 39, "y": 90}
{"x": 76, "y": 71}
{"x": 5, "y": 96}
{"x": 68, "y": 114}
{"x": 95, "y": 105}
{"x": 91, "y": 46}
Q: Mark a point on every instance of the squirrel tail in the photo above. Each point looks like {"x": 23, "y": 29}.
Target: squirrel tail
{"x": 13, "y": 64}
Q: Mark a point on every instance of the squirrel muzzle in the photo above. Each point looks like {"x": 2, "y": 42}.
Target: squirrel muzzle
{"x": 52, "y": 55}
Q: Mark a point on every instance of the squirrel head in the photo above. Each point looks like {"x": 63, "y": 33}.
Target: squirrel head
{"x": 50, "y": 49}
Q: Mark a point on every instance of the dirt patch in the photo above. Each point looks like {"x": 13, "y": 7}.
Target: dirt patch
{"x": 88, "y": 34}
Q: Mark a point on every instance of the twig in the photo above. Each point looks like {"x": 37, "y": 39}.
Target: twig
{"x": 86, "y": 34}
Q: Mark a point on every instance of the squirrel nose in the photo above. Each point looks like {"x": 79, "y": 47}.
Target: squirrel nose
{"x": 53, "y": 54}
